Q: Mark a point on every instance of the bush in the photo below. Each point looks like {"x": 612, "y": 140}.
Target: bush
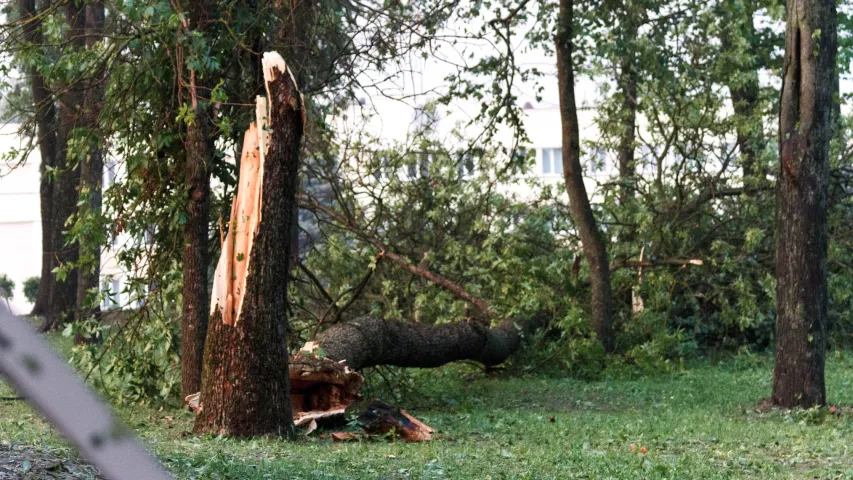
{"x": 7, "y": 287}
{"x": 31, "y": 289}
{"x": 138, "y": 362}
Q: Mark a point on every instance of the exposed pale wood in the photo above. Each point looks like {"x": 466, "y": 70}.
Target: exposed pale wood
{"x": 229, "y": 281}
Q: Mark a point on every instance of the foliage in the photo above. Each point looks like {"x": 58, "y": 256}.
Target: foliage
{"x": 7, "y": 287}
{"x": 31, "y": 289}
{"x": 139, "y": 362}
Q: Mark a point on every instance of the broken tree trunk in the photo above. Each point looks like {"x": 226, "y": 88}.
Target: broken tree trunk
{"x": 321, "y": 388}
{"x": 370, "y": 341}
{"x": 243, "y": 392}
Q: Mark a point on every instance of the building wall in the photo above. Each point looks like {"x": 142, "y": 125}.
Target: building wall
{"x": 20, "y": 225}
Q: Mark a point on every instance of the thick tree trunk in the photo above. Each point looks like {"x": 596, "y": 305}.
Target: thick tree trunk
{"x": 91, "y": 173}
{"x": 45, "y": 120}
{"x": 63, "y": 295}
{"x": 805, "y": 129}
{"x": 196, "y": 256}
{"x": 243, "y": 390}
{"x": 594, "y": 246}
{"x": 370, "y": 341}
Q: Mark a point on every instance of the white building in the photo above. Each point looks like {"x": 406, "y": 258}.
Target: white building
{"x": 20, "y": 222}
{"x": 20, "y": 225}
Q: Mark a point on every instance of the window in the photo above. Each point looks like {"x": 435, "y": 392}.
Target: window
{"x": 148, "y": 236}
{"x": 598, "y": 163}
{"x": 552, "y": 161}
{"x": 466, "y": 163}
{"x": 110, "y": 170}
{"x": 111, "y": 297}
{"x": 383, "y": 165}
{"x": 420, "y": 168}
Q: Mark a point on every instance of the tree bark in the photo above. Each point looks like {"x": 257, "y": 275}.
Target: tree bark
{"x": 628, "y": 85}
{"x": 91, "y": 172}
{"x": 196, "y": 255}
{"x": 370, "y": 341}
{"x": 593, "y": 243}
{"x": 243, "y": 390}
{"x": 63, "y": 295}
{"x": 45, "y": 120}
{"x": 743, "y": 86}
{"x": 805, "y": 129}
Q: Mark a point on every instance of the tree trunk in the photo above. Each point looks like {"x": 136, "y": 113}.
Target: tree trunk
{"x": 243, "y": 390}
{"x": 370, "y": 341}
{"x": 63, "y": 295}
{"x": 196, "y": 255}
{"x": 91, "y": 173}
{"x": 45, "y": 120}
{"x": 593, "y": 243}
{"x": 743, "y": 84}
{"x": 628, "y": 113}
{"x": 801, "y": 219}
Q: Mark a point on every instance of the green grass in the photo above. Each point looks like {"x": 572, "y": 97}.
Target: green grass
{"x": 699, "y": 423}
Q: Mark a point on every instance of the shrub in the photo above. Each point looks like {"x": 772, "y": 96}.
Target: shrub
{"x": 7, "y": 287}
{"x": 31, "y": 289}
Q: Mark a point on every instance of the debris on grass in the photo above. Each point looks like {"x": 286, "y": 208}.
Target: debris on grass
{"x": 382, "y": 418}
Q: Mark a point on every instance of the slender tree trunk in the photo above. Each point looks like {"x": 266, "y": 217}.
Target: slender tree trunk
{"x": 628, "y": 79}
{"x": 196, "y": 257}
{"x": 45, "y": 119}
{"x": 805, "y": 128}
{"x": 628, "y": 113}
{"x": 91, "y": 171}
{"x": 63, "y": 295}
{"x": 745, "y": 101}
{"x": 743, "y": 86}
{"x": 243, "y": 390}
{"x": 594, "y": 246}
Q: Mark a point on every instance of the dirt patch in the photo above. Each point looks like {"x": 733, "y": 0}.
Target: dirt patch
{"x": 29, "y": 463}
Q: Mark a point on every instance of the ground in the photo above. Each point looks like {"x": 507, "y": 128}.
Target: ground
{"x": 702, "y": 421}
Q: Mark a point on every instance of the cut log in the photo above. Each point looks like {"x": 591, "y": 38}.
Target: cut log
{"x": 243, "y": 392}
{"x": 370, "y": 341}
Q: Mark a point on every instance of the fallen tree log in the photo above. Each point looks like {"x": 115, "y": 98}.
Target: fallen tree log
{"x": 369, "y": 341}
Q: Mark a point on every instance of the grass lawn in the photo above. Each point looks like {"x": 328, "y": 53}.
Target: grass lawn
{"x": 699, "y": 423}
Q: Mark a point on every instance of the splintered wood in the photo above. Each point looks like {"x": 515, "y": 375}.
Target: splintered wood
{"x": 321, "y": 388}
{"x": 229, "y": 281}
